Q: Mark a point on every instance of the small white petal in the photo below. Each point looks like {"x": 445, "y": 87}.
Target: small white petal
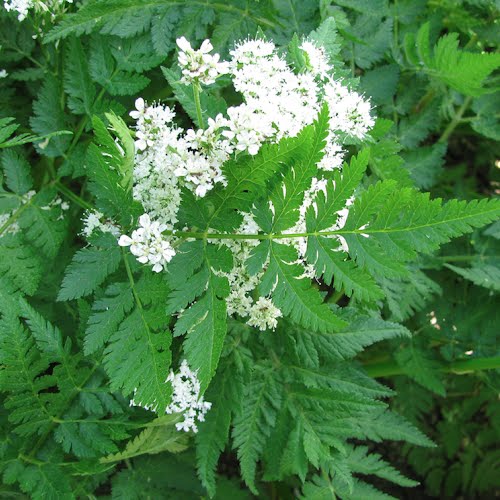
{"x": 125, "y": 241}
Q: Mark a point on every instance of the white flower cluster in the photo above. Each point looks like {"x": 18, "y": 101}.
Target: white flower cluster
{"x": 186, "y": 399}
{"x": 262, "y": 314}
{"x": 276, "y": 102}
{"x": 3, "y": 73}
{"x": 168, "y": 158}
{"x": 316, "y": 59}
{"x": 94, "y": 220}
{"x": 349, "y": 112}
{"x": 198, "y": 66}
{"x": 22, "y": 7}
{"x": 148, "y": 244}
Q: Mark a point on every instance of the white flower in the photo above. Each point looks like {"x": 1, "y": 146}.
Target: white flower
{"x": 316, "y": 59}
{"x": 3, "y": 73}
{"x": 148, "y": 244}
{"x": 199, "y": 65}
{"x": 140, "y": 106}
{"x": 264, "y": 314}
{"x": 349, "y": 112}
{"x": 22, "y": 7}
{"x": 186, "y": 399}
{"x": 93, "y": 220}
{"x": 251, "y": 51}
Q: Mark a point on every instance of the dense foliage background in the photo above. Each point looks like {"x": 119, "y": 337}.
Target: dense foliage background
{"x": 67, "y": 432}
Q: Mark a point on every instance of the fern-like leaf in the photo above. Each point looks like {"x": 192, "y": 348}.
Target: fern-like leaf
{"x": 293, "y": 294}
{"x": 159, "y": 436}
{"x": 463, "y": 71}
{"x": 205, "y": 321}
{"x": 261, "y": 402}
{"x": 138, "y": 356}
{"x": 213, "y": 434}
{"x": 89, "y": 268}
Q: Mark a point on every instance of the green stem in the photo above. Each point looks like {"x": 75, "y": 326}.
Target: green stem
{"x": 197, "y": 102}
{"x": 456, "y": 120}
{"x": 72, "y": 196}
{"x": 336, "y": 296}
{"x": 469, "y": 119}
{"x": 391, "y": 368}
{"x": 426, "y": 99}
{"x": 280, "y": 236}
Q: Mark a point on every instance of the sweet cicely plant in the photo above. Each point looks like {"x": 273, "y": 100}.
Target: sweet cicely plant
{"x": 235, "y": 226}
{"x": 239, "y": 247}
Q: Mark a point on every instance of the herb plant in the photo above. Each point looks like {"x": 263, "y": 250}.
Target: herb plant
{"x": 221, "y": 223}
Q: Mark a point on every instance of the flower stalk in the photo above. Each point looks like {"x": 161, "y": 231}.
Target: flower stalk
{"x": 197, "y": 103}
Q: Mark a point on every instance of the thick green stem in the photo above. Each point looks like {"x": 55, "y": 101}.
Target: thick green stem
{"x": 197, "y": 102}
{"x": 391, "y": 368}
{"x": 456, "y": 120}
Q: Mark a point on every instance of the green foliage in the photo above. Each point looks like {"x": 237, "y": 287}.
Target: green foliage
{"x": 88, "y": 269}
{"x": 204, "y": 321}
{"x": 158, "y": 437}
{"x": 481, "y": 274}
{"x": 463, "y": 71}
{"x": 77, "y": 83}
{"x": 390, "y": 282}
{"x": 17, "y": 172}
{"x": 293, "y": 294}
{"x": 138, "y": 353}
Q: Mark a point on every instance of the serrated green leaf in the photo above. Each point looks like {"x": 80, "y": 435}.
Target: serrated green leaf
{"x": 88, "y": 269}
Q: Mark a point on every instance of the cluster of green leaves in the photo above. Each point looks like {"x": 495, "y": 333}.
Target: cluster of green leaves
{"x": 84, "y": 327}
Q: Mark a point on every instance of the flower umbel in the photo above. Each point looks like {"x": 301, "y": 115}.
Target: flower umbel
{"x": 198, "y": 66}
{"x": 186, "y": 399}
{"x": 276, "y": 102}
{"x": 148, "y": 245}
{"x": 22, "y": 7}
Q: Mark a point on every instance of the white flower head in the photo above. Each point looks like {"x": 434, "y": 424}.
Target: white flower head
{"x": 349, "y": 112}
{"x": 264, "y": 314}
{"x": 250, "y": 51}
{"x": 199, "y": 65}
{"x": 93, "y": 220}
{"x": 148, "y": 244}
{"x": 186, "y": 399}
{"x": 316, "y": 59}
{"x": 22, "y": 7}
